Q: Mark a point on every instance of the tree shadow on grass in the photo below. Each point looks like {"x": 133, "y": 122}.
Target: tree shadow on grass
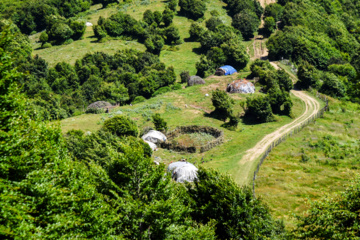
{"x": 249, "y": 120}
{"x": 216, "y": 115}
{"x": 198, "y": 51}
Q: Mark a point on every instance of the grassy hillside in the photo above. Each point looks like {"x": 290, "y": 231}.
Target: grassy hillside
{"x": 319, "y": 160}
{"x": 187, "y": 107}
{"x": 182, "y": 57}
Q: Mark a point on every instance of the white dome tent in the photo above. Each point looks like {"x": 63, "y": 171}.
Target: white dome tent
{"x": 152, "y": 145}
{"x": 154, "y": 137}
{"x": 183, "y": 171}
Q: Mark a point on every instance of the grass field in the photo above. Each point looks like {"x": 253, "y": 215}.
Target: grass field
{"x": 190, "y": 106}
{"x": 182, "y": 59}
{"x": 319, "y": 160}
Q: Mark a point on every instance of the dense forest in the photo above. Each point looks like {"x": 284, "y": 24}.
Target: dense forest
{"x": 322, "y": 37}
{"x": 105, "y": 185}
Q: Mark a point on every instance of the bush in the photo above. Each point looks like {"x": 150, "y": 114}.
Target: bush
{"x": 138, "y": 99}
{"x": 121, "y": 126}
{"x": 247, "y": 22}
{"x": 269, "y": 26}
{"x": 259, "y": 108}
{"x": 194, "y": 9}
{"x": 46, "y": 45}
{"x": 223, "y": 103}
{"x": 159, "y": 122}
{"x": 185, "y": 76}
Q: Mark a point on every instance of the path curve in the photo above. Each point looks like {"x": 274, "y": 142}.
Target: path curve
{"x": 312, "y": 106}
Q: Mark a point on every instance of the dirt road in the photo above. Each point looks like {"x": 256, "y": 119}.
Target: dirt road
{"x": 312, "y": 106}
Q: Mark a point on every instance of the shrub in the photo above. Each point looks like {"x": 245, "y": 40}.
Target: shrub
{"x": 259, "y": 108}
{"x": 185, "y": 76}
{"x": 247, "y": 22}
{"x": 159, "y": 122}
{"x": 138, "y": 99}
{"x": 44, "y": 38}
{"x": 46, "y": 45}
{"x": 121, "y": 126}
{"x": 223, "y": 103}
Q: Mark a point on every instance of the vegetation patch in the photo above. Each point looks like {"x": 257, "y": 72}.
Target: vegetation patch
{"x": 193, "y": 139}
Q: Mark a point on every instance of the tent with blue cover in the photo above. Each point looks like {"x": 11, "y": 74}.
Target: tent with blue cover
{"x": 225, "y": 70}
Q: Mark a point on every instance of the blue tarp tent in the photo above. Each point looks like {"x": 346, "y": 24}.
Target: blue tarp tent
{"x": 225, "y": 70}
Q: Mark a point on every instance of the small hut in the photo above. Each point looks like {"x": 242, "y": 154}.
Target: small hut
{"x": 225, "y": 70}
{"x": 195, "y": 80}
{"x": 183, "y": 171}
{"x": 154, "y": 137}
{"x": 99, "y": 105}
{"x": 152, "y": 145}
{"x": 240, "y": 86}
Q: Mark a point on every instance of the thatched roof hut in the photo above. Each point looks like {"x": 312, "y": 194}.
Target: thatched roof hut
{"x": 195, "y": 80}
{"x": 240, "y": 86}
{"x": 99, "y": 105}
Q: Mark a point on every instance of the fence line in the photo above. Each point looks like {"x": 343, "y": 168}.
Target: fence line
{"x": 289, "y": 134}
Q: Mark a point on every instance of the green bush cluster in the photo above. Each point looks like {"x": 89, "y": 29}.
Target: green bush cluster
{"x": 121, "y": 126}
{"x": 221, "y": 46}
{"x": 63, "y": 90}
{"x": 155, "y": 29}
{"x": 245, "y": 15}
{"x": 193, "y": 9}
{"x": 322, "y": 37}
{"x": 277, "y": 85}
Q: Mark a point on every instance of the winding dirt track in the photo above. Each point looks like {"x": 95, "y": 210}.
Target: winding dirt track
{"x": 312, "y": 106}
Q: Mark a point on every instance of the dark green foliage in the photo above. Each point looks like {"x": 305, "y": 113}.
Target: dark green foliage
{"x": 238, "y": 214}
{"x": 345, "y": 70}
{"x": 223, "y": 104}
{"x": 185, "y": 76}
{"x": 308, "y": 76}
{"x": 196, "y": 31}
{"x": 223, "y": 46}
{"x": 121, "y": 126}
{"x": 333, "y": 86}
{"x": 247, "y": 23}
{"x": 217, "y": 56}
{"x": 154, "y": 44}
{"x": 168, "y": 16}
{"x": 159, "y": 122}
{"x": 172, "y": 35}
{"x": 212, "y": 23}
{"x": 193, "y": 9}
{"x": 148, "y": 17}
{"x": 236, "y": 6}
{"x": 172, "y": 4}
{"x": 99, "y": 32}
{"x": 43, "y": 38}
{"x": 284, "y": 80}
{"x": 205, "y": 67}
{"x": 60, "y": 32}
{"x": 259, "y": 108}
{"x": 64, "y": 90}
{"x": 333, "y": 217}
{"x": 78, "y": 27}
{"x": 274, "y": 10}
{"x": 269, "y": 26}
